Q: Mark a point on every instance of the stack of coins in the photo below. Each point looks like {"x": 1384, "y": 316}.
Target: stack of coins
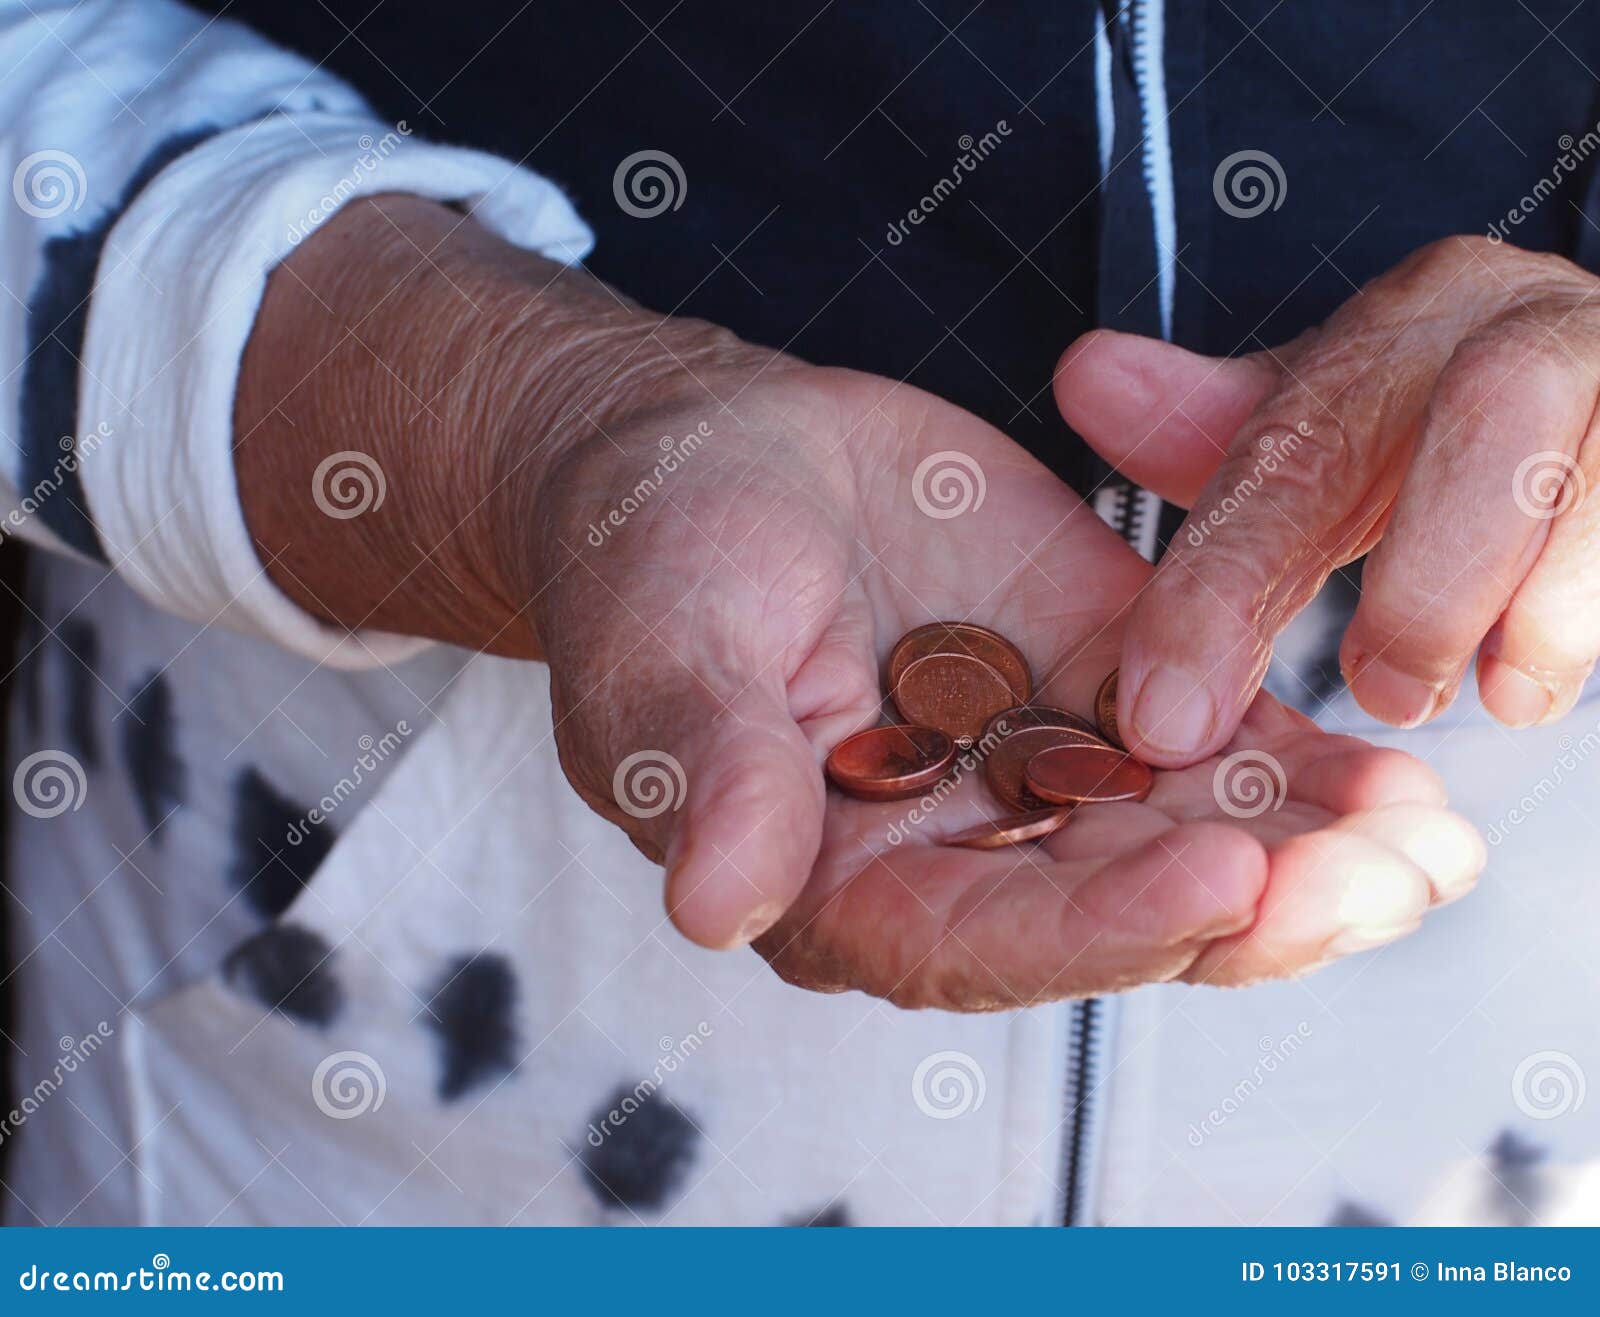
{"x": 959, "y": 687}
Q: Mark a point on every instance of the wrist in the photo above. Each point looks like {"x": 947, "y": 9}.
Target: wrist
{"x": 455, "y": 373}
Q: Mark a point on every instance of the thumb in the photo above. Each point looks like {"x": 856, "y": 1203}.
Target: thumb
{"x": 1163, "y": 416}
{"x": 749, "y": 828}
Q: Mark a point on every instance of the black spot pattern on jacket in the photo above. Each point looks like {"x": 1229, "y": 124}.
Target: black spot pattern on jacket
{"x": 646, "y": 1144}
{"x": 275, "y": 848}
{"x": 289, "y": 969}
{"x": 58, "y": 314}
{"x": 472, "y": 1010}
{"x": 149, "y": 750}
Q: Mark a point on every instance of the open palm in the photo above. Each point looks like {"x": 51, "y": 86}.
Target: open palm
{"x": 714, "y": 629}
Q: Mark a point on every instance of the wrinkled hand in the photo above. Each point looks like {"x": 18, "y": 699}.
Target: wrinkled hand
{"x": 1443, "y": 419}
{"x": 735, "y": 626}
{"x": 714, "y": 547}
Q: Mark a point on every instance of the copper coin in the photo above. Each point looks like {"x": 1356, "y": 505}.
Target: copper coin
{"x": 962, "y": 638}
{"x": 1086, "y": 775}
{"x": 1105, "y": 709}
{"x": 956, "y": 693}
{"x": 1011, "y": 831}
{"x": 1006, "y": 763}
{"x": 890, "y": 763}
{"x": 1020, "y": 716}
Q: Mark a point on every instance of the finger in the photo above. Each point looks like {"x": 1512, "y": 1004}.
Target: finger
{"x": 1535, "y": 660}
{"x": 934, "y": 927}
{"x": 1464, "y": 529}
{"x": 751, "y": 822}
{"x": 1444, "y": 846}
{"x": 1161, "y": 415}
{"x": 1330, "y": 893}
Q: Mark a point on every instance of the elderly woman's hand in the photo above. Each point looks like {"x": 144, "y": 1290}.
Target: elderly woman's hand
{"x": 1443, "y": 419}
{"x": 714, "y": 547}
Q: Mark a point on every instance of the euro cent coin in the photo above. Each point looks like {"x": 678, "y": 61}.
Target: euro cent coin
{"x": 890, "y": 763}
{"x": 956, "y": 693}
{"x": 963, "y": 638}
{"x": 1005, "y": 762}
{"x": 1105, "y": 709}
{"x": 1086, "y": 775}
{"x": 1013, "y": 831}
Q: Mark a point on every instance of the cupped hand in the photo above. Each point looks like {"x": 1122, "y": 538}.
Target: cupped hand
{"x": 1443, "y": 419}
{"x": 713, "y": 629}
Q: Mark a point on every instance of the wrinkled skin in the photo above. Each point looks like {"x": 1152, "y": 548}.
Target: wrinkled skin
{"x": 1444, "y": 419}
{"x": 735, "y": 613}
{"x": 739, "y": 620}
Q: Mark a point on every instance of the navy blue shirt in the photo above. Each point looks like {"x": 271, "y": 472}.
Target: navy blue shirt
{"x": 804, "y": 136}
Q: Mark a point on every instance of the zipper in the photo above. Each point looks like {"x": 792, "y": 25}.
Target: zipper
{"x": 1084, "y": 1032}
{"x": 1135, "y": 514}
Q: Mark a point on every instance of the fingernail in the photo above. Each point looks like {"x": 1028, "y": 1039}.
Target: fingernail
{"x": 1396, "y": 697}
{"x": 1174, "y": 711}
{"x": 1518, "y": 699}
{"x": 758, "y": 923}
{"x": 1352, "y": 940}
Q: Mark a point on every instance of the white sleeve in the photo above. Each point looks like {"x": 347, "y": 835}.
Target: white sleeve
{"x": 161, "y": 165}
